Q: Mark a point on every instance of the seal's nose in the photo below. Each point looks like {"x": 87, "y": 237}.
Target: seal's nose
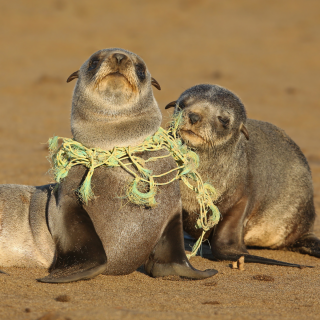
{"x": 194, "y": 118}
{"x": 119, "y": 57}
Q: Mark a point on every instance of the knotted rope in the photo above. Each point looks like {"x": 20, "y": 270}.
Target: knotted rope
{"x": 143, "y": 189}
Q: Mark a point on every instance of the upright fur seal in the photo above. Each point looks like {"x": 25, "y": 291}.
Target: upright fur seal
{"x": 113, "y": 105}
{"x": 262, "y": 178}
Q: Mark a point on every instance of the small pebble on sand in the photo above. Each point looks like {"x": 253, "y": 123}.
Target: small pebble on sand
{"x": 210, "y": 284}
{"x": 263, "y": 277}
{"x": 211, "y": 302}
{"x": 63, "y": 298}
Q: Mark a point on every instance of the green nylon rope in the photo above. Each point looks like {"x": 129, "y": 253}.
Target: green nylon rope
{"x": 143, "y": 189}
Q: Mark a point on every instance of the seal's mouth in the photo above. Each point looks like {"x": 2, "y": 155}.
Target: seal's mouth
{"x": 190, "y": 135}
{"x": 190, "y": 132}
{"x": 193, "y": 138}
{"x": 116, "y": 74}
{"x": 113, "y": 80}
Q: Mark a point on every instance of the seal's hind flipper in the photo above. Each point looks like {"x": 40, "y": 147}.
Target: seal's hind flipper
{"x": 308, "y": 244}
{"x": 206, "y": 253}
{"x": 233, "y": 254}
{"x": 257, "y": 259}
{"x": 168, "y": 258}
{"x": 227, "y": 242}
{"x": 79, "y": 251}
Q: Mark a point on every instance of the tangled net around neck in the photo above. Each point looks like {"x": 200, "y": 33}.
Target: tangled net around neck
{"x": 143, "y": 188}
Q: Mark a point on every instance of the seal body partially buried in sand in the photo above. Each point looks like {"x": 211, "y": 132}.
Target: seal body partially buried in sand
{"x": 113, "y": 106}
{"x": 262, "y": 178}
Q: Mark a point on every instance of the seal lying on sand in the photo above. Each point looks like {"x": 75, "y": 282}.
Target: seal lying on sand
{"x": 262, "y": 178}
{"x": 113, "y": 105}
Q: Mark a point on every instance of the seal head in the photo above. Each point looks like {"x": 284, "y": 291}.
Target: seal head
{"x": 205, "y": 126}
{"x": 113, "y": 103}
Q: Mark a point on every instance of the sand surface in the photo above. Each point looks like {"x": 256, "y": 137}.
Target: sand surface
{"x": 267, "y": 52}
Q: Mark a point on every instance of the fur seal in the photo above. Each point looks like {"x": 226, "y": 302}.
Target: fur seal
{"x": 112, "y": 105}
{"x": 262, "y": 178}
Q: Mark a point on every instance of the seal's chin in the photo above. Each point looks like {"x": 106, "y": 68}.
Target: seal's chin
{"x": 191, "y": 138}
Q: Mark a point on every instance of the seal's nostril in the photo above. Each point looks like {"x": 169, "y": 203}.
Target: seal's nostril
{"x": 194, "y": 118}
{"x": 119, "y": 57}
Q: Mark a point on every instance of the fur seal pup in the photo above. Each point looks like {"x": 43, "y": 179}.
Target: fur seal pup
{"x": 112, "y": 105}
{"x": 262, "y": 178}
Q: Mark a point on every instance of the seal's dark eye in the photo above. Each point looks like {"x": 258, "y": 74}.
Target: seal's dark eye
{"x": 224, "y": 121}
{"x": 140, "y": 71}
{"x": 93, "y": 64}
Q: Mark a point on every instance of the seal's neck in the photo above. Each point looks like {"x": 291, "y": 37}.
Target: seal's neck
{"x": 223, "y": 164}
{"x": 94, "y": 128}
{"x": 120, "y": 132}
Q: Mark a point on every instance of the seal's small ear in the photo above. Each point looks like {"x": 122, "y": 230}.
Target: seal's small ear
{"x": 244, "y": 130}
{"x": 172, "y": 104}
{"x": 73, "y": 76}
{"x": 155, "y": 83}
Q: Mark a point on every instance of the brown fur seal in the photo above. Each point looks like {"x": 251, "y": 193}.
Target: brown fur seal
{"x": 113, "y": 105}
{"x": 262, "y": 178}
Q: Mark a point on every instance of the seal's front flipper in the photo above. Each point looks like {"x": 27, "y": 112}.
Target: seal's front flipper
{"x": 168, "y": 257}
{"x": 308, "y": 244}
{"x": 74, "y": 273}
{"x": 79, "y": 251}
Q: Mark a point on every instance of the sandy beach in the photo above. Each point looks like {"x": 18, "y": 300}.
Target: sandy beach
{"x": 265, "y": 52}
